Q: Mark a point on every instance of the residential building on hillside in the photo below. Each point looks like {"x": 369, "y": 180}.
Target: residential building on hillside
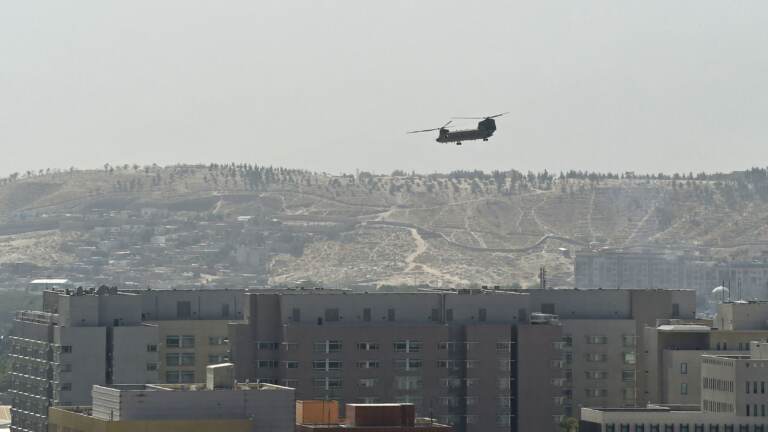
{"x": 621, "y": 269}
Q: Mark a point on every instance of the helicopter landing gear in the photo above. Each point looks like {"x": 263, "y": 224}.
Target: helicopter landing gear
{"x": 458, "y": 142}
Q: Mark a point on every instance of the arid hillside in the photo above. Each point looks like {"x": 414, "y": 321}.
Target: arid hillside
{"x": 442, "y": 229}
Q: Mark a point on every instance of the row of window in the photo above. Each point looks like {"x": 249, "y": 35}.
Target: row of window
{"x": 627, "y": 357}
{"x": 628, "y": 394}
{"x": 754, "y": 387}
{"x": 721, "y": 407}
{"x": 403, "y": 346}
{"x": 188, "y": 341}
{"x": 721, "y": 385}
{"x": 627, "y": 341}
{"x": 627, "y": 375}
{"x": 400, "y": 364}
{"x": 334, "y": 315}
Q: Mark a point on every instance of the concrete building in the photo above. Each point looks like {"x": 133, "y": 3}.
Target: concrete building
{"x": 83, "y": 338}
{"x": 674, "y": 349}
{"x": 621, "y": 269}
{"x": 475, "y": 359}
{"x": 224, "y": 406}
{"x": 733, "y": 398}
{"x": 362, "y": 418}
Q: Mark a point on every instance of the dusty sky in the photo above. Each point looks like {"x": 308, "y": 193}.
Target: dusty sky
{"x": 653, "y": 85}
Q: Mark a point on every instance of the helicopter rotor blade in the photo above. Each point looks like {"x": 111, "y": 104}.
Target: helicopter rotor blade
{"x": 480, "y": 118}
{"x": 425, "y": 130}
{"x": 433, "y": 129}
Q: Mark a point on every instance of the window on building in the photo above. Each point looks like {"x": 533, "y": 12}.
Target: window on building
{"x": 594, "y": 357}
{"x": 596, "y": 374}
{"x": 331, "y": 314}
{"x": 567, "y": 341}
{"x": 151, "y": 348}
{"x": 225, "y": 310}
{"x": 628, "y": 375}
{"x": 367, "y": 346}
{"x": 151, "y": 367}
{"x": 482, "y": 315}
{"x": 628, "y": 341}
{"x": 172, "y": 377}
{"x": 329, "y": 346}
{"x": 366, "y": 314}
{"x": 183, "y": 309}
{"x": 407, "y": 364}
{"x": 503, "y": 347}
{"x": 597, "y": 340}
{"x": 187, "y": 377}
{"x": 683, "y": 389}
{"x": 217, "y": 358}
{"x": 675, "y": 310}
{"x": 629, "y": 358}
{"x": 407, "y": 346}
{"x": 683, "y": 368}
{"x": 172, "y": 359}
{"x": 65, "y": 387}
{"x": 296, "y": 315}
{"x": 449, "y": 314}
{"x": 267, "y": 346}
{"x": 408, "y": 382}
{"x": 368, "y": 364}
{"x": 172, "y": 341}
{"x": 217, "y": 340}
{"x": 390, "y": 314}
{"x": 66, "y": 349}
{"x": 367, "y": 382}
{"x": 548, "y": 308}
{"x": 435, "y": 315}
{"x": 291, "y": 364}
{"x": 187, "y": 359}
{"x": 187, "y": 341}
{"x": 267, "y": 364}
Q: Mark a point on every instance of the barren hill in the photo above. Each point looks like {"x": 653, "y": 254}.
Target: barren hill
{"x": 449, "y": 229}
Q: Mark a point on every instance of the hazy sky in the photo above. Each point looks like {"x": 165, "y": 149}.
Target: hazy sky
{"x": 333, "y": 85}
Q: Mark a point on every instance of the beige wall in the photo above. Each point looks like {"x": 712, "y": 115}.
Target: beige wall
{"x": 202, "y": 330}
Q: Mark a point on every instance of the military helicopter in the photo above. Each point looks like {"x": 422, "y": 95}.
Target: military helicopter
{"x": 485, "y": 129}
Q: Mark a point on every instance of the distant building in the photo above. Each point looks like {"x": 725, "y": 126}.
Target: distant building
{"x": 223, "y": 406}
{"x": 318, "y": 416}
{"x": 621, "y": 269}
{"x": 733, "y": 399}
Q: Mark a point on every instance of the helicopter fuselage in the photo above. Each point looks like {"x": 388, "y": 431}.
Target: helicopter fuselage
{"x": 447, "y": 136}
{"x": 485, "y": 130}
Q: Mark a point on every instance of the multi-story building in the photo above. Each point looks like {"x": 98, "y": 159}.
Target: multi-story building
{"x": 733, "y": 398}
{"x": 466, "y": 357}
{"x": 217, "y": 405}
{"x": 102, "y": 337}
{"x": 621, "y": 269}
{"x": 674, "y": 349}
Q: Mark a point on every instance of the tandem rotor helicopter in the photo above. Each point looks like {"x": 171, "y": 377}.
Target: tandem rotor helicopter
{"x": 485, "y": 129}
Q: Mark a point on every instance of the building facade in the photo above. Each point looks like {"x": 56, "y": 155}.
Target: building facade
{"x": 478, "y": 360}
{"x": 733, "y": 398}
{"x": 83, "y": 338}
